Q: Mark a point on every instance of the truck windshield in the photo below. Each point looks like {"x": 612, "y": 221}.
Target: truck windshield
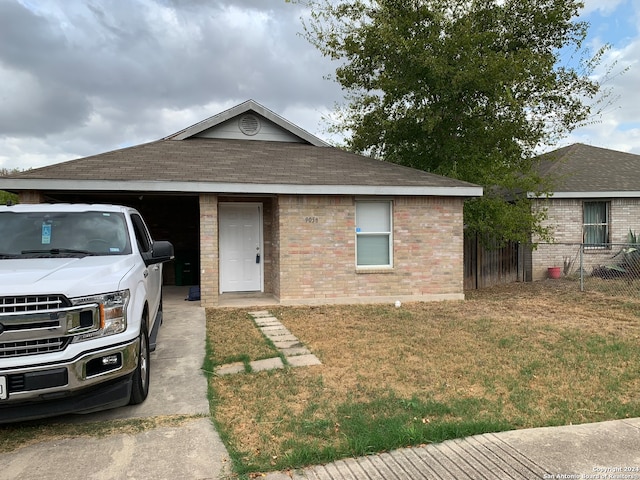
{"x": 28, "y": 234}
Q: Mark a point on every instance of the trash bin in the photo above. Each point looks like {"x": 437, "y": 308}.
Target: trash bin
{"x": 185, "y": 272}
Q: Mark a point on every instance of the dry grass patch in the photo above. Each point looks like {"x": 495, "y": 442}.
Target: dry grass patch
{"x": 234, "y": 338}
{"x": 518, "y": 356}
{"x": 23, "y": 434}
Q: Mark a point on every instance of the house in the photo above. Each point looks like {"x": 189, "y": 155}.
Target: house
{"x": 596, "y": 201}
{"x": 255, "y": 204}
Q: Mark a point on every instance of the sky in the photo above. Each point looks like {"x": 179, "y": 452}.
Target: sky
{"x": 82, "y": 77}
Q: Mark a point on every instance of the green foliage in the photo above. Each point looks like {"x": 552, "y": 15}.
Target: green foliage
{"x": 466, "y": 89}
{"x": 628, "y": 257}
{"x": 6, "y": 197}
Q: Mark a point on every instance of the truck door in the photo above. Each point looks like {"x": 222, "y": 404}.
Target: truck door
{"x": 153, "y": 273}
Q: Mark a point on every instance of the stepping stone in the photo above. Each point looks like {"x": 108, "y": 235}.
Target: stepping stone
{"x": 266, "y": 322}
{"x": 282, "y": 344}
{"x": 278, "y": 334}
{"x": 230, "y": 368}
{"x": 261, "y": 313}
{"x": 294, "y": 352}
{"x": 304, "y": 360}
{"x": 267, "y": 364}
{"x": 282, "y": 338}
{"x": 273, "y": 328}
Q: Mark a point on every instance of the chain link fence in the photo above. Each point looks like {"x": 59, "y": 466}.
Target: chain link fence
{"x": 611, "y": 269}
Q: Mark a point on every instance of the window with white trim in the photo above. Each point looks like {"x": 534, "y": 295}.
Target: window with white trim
{"x": 595, "y": 228}
{"x": 374, "y": 239}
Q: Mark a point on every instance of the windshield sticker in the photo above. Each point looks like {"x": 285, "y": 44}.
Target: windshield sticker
{"x": 114, "y": 249}
{"x": 46, "y": 233}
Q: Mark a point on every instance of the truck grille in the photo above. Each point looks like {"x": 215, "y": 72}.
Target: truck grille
{"x": 38, "y": 303}
{"x": 33, "y": 347}
{"x": 35, "y": 319}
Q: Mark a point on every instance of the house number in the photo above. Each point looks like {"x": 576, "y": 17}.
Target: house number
{"x": 310, "y": 219}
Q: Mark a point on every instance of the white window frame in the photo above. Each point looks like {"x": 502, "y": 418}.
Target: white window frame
{"x": 607, "y": 226}
{"x": 360, "y": 233}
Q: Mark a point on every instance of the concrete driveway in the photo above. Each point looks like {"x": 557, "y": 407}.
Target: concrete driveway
{"x": 178, "y": 387}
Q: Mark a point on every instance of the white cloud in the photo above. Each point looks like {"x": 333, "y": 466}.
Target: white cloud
{"x": 604, "y": 7}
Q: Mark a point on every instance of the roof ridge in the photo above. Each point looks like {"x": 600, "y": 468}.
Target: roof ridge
{"x": 240, "y": 109}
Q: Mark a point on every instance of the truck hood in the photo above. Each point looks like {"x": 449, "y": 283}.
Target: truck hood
{"x": 69, "y": 276}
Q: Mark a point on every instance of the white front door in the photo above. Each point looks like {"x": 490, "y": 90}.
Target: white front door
{"x": 240, "y": 247}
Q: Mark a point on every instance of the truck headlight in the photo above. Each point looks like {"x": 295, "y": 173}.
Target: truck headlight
{"x": 112, "y": 309}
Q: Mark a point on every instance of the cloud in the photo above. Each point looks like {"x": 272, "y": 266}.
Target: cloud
{"x": 605, "y": 8}
{"x": 98, "y": 75}
{"x": 617, "y": 126}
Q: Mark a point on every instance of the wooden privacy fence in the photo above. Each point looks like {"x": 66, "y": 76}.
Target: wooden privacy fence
{"x": 488, "y": 266}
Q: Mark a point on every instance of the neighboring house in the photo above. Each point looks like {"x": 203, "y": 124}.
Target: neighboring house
{"x": 596, "y": 202}
{"x": 254, "y": 204}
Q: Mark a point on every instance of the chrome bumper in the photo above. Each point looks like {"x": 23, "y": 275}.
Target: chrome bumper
{"x": 63, "y": 379}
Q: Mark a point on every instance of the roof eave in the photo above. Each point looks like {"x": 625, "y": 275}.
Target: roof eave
{"x": 15, "y": 184}
{"x": 603, "y": 194}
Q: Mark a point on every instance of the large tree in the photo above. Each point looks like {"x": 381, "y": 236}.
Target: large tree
{"x": 464, "y": 88}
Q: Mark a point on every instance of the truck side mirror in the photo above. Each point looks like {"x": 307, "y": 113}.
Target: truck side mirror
{"x": 161, "y": 252}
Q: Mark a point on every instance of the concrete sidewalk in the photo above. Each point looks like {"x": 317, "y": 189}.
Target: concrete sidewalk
{"x": 608, "y": 450}
{"x": 192, "y": 450}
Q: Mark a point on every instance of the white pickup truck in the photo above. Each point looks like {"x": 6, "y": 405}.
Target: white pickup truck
{"x": 80, "y": 308}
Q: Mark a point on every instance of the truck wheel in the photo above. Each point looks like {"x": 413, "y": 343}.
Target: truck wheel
{"x": 140, "y": 387}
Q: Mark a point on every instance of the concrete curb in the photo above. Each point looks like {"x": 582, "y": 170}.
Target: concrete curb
{"x": 607, "y": 450}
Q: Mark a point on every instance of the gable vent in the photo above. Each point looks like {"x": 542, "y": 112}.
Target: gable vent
{"x": 249, "y": 124}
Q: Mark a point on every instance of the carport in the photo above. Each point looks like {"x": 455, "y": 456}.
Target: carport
{"x": 175, "y": 218}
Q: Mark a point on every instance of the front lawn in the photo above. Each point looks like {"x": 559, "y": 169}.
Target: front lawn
{"x": 517, "y": 356}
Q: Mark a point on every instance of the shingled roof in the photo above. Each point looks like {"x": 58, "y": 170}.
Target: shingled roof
{"x": 585, "y": 171}
{"x": 197, "y": 159}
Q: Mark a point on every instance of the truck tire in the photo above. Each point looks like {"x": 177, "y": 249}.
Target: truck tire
{"x": 140, "y": 384}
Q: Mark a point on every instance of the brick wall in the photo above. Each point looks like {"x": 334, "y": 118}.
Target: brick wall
{"x": 275, "y": 247}
{"x": 565, "y": 216}
{"x": 317, "y": 251}
{"x": 209, "y": 250}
